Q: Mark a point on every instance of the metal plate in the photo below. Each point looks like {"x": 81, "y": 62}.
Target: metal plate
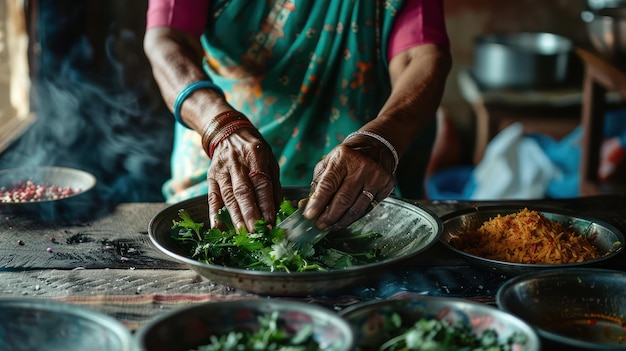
{"x": 406, "y": 230}
{"x": 608, "y": 240}
{"x": 368, "y": 319}
{"x": 571, "y": 309}
{"x": 80, "y": 181}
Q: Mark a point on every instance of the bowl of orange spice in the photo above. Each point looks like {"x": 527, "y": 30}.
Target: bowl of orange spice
{"x": 513, "y": 240}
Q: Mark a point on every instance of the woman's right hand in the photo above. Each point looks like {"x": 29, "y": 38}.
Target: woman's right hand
{"x": 244, "y": 177}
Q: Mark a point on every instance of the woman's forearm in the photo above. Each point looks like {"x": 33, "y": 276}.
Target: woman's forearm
{"x": 176, "y": 59}
{"x": 418, "y": 77}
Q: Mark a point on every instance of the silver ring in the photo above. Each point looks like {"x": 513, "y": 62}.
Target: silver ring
{"x": 368, "y": 194}
{"x": 374, "y": 203}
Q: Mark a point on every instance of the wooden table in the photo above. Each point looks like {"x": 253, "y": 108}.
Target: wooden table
{"x": 108, "y": 263}
{"x": 602, "y": 76}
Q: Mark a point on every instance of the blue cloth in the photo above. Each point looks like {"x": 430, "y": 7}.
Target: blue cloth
{"x": 615, "y": 125}
{"x": 461, "y": 183}
{"x": 565, "y": 155}
{"x": 452, "y": 183}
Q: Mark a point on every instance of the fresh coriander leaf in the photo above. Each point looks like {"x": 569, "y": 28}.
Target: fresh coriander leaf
{"x": 224, "y": 217}
{"x": 213, "y": 235}
{"x": 188, "y": 224}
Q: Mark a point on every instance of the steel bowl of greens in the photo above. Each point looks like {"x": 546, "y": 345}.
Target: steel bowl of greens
{"x": 247, "y": 324}
{"x": 436, "y": 323}
{"x": 28, "y": 324}
{"x": 264, "y": 262}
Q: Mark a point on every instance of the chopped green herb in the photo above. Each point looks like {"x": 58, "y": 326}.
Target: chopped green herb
{"x": 272, "y": 335}
{"x": 435, "y": 334}
{"x": 267, "y": 248}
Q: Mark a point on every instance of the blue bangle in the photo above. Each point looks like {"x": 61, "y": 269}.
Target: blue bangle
{"x": 188, "y": 90}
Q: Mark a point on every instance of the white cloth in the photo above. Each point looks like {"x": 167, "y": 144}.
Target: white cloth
{"x": 513, "y": 167}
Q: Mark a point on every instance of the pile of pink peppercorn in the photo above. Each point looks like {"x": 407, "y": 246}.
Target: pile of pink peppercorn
{"x": 29, "y": 191}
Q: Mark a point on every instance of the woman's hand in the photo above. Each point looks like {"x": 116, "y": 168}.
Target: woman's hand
{"x": 362, "y": 165}
{"x": 244, "y": 177}
{"x": 349, "y": 182}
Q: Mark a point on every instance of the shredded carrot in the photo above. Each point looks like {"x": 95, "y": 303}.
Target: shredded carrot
{"x": 526, "y": 237}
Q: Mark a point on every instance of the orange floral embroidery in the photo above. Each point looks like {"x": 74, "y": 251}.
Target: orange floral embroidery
{"x": 360, "y": 79}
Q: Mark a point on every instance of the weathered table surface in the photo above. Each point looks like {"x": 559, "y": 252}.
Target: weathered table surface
{"x": 109, "y": 264}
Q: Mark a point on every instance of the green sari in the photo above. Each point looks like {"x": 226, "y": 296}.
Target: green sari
{"x": 306, "y": 73}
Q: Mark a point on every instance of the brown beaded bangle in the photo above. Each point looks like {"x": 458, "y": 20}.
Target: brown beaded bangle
{"x": 219, "y": 122}
{"x": 227, "y": 131}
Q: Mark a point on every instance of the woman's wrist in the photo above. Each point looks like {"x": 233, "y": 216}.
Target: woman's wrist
{"x": 221, "y": 127}
{"x": 377, "y": 146}
{"x": 187, "y": 92}
{"x": 218, "y": 122}
{"x": 226, "y": 132}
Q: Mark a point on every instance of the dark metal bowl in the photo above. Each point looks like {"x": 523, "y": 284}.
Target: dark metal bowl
{"x": 190, "y": 327}
{"x": 368, "y": 319}
{"x": 406, "y": 230}
{"x": 80, "y": 181}
{"x": 608, "y": 240}
{"x": 571, "y": 309}
{"x": 28, "y": 324}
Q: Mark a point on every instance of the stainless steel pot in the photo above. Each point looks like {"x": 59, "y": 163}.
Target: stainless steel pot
{"x": 522, "y": 60}
{"x": 602, "y": 4}
{"x": 607, "y": 30}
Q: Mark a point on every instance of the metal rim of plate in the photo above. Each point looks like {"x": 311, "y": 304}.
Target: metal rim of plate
{"x": 116, "y": 330}
{"x": 512, "y": 268}
{"x": 283, "y": 283}
{"x": 318, "y": 315}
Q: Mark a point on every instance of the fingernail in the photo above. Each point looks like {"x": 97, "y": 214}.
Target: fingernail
{"x": 322, "y": 226}
{"x": 252, "y": 226}
{"x": 307, "y": 214}
{"x": 302, "y": 203}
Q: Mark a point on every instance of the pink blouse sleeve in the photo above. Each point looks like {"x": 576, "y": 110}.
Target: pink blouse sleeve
{"x": 187, "y": 15}
{"x": 419, "y": 22}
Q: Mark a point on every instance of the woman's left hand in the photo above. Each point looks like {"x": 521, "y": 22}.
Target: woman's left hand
{"x": 349, "y": 182}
